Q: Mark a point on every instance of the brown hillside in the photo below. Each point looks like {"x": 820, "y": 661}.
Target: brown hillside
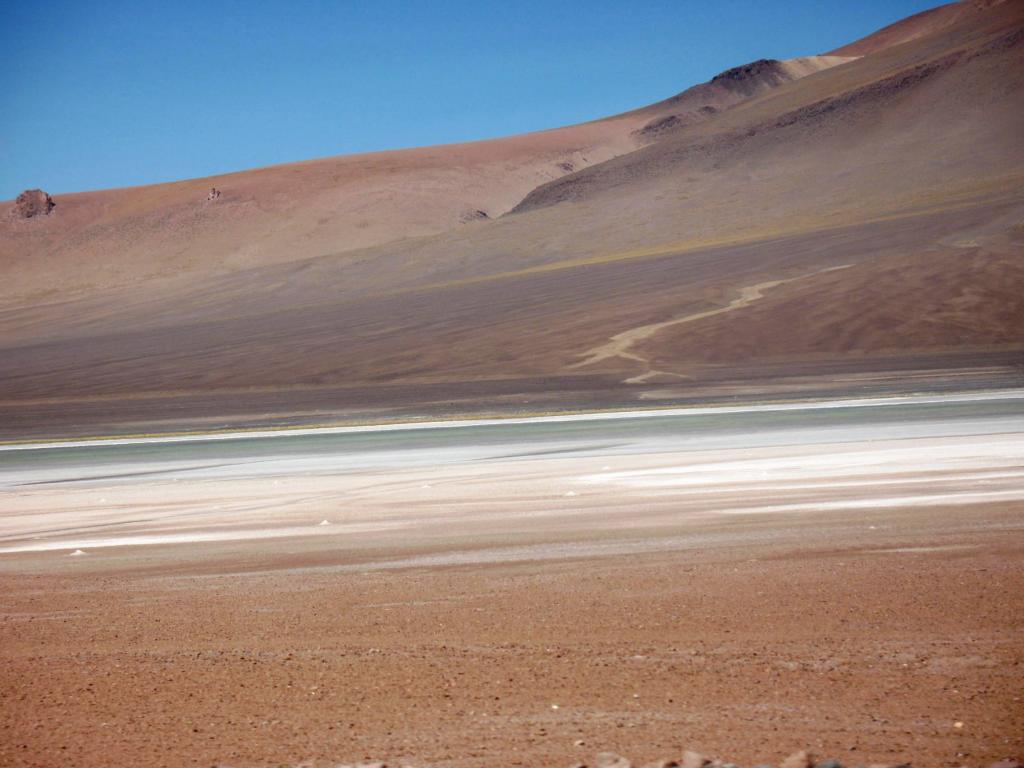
{"x": 287, "y": 213}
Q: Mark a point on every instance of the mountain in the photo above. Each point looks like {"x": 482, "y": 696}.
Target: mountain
{"x": 843, "y": 222}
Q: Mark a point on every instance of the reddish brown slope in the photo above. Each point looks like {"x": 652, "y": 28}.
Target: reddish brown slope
{"x": 97, "y": 240}
{"x": 912, "y": 28}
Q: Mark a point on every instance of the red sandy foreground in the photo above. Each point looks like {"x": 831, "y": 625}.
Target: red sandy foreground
{"x": 813, "y": 632}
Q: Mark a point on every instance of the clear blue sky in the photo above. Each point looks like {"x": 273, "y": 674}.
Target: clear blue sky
{"x": 100, "y": 94}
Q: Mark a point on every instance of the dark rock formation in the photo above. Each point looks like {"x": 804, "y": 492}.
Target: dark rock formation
{"x": 477, "y": 215}
{"x": 33, "y": 202}
{"x": 660, "y": 125}
{"x": 748, "y": 71}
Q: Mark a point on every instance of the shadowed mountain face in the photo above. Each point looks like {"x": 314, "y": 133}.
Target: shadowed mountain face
{"x": 849, "y": 221}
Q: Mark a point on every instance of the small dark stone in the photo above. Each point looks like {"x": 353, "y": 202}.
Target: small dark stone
{"x": 476, "y": 215}
{"x": 611, "y": 760}
{"x": 801, "y": 759}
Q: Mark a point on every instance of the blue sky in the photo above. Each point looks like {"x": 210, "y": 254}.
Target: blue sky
{"x": 102, "y": 94}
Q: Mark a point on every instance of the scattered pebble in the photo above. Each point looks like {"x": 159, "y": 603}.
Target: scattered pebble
{"x": 611, "y": 760}
{"x": 691, "y": 759}
{"x": 799, "y": 759}
{"x": 324, "y": 522}
{"x": 77, "y": 553}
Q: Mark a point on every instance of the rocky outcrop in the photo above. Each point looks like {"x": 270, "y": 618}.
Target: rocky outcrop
{"x": 749, "y": 71}
{"x": 33, "y": 202}
{"x": 473, "y": 215}
{"x": 660, "y": 125}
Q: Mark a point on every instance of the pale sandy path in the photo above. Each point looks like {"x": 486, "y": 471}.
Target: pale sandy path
{"x": 620, "y": 344}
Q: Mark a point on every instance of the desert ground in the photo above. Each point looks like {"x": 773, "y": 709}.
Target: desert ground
{"x": 840, "y": 576}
